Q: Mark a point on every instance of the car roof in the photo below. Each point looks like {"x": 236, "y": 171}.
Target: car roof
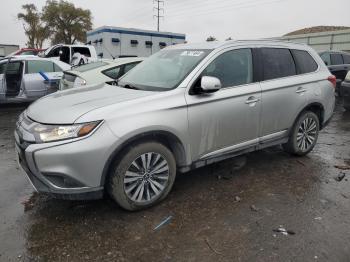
{"x": 33, "y": 57}
{"x": 219, "y": 44}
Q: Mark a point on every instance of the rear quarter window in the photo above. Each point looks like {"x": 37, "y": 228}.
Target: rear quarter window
{"x": 304, "y": 62}
{"x": 277, "y": 63}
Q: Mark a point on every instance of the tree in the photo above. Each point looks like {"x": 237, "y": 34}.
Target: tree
{"x": 67, "y": 23}
{"x": 211, "y": 38}
{"x": 34, "y": 29}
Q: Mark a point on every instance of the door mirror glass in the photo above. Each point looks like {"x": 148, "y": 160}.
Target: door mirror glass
{"x": 210, "y": 84}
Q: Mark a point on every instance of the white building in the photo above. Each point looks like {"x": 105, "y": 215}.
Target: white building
{"x": 330, "y": 40}
{"x": 112, "y": 42}
{"x": 7, "y": 49}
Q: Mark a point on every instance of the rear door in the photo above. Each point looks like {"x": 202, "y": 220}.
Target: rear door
{"x": 35, "y": 84}
{"x": 283, "y": 93}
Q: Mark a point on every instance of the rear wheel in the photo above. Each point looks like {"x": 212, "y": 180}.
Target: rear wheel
{"x": 304, "y": 134}
{"x": 143, "y": 176}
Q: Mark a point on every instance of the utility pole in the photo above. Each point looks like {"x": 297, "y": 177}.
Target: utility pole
{"x": 158, "y": 9}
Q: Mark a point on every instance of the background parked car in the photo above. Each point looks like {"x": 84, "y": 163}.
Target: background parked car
{"x": 26, "y": 51}
{"x": 338, "y": 63}
{"x": 26, "y": 78}
{"x": 74, "y": 55}
{"x": 345, "y": 91}
{"x": 98, "y": 72}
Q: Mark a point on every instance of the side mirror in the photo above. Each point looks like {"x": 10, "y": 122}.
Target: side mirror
{"x": 210, "y": 84}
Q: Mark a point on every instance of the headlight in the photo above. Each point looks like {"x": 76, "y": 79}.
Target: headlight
{"x": 50, "y": 133}
{"x": 79, "y": 82}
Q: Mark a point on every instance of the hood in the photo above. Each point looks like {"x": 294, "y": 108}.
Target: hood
{"x": 66, "y": 107}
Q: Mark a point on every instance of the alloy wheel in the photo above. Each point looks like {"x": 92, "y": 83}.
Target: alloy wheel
{"x": 307, "y": 134}
{"x": 146, "y": 178}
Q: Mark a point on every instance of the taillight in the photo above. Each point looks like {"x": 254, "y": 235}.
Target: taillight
{"x": 333, "y": 80}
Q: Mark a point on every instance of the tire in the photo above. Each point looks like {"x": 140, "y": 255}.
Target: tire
{"x": 128, "y": 175}
{"x": 300, "y": 143}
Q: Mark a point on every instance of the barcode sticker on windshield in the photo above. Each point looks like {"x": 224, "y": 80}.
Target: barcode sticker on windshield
{"x": 192, "y": 53}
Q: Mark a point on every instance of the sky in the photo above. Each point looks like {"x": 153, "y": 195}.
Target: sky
{"x": 198, "y": 19}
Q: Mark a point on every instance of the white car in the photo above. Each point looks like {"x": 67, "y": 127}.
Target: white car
{"x": 26, "y": 78}
{"x": 74, "y": 55}
{"x": 98, "y": 72}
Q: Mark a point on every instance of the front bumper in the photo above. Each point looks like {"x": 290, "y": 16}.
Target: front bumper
{"x": 70, "y": 169}
{"x": 345, "y": 91}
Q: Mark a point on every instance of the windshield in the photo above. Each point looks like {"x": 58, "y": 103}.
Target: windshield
{"x": 164, "y": 70}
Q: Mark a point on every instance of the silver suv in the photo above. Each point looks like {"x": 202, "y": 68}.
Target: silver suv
{"x": 184, "y": 107}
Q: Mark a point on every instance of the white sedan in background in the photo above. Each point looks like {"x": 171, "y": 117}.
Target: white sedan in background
{"x": 98, "y": 72}
{"x": 26, "y": 78}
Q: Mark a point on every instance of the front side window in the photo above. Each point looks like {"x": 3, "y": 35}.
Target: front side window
{"x": 304, "y": 62}
{"x": 337, "y": 59}
{"x": 36, "y": 66}
{"x": 164, "y": 70}
{"x": 112, "y": 72}
{"x": 233, "y": 68}
{"x": 277, "y": 63}
{"x": 2, "y": 68}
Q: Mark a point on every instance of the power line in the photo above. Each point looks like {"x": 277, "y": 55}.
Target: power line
{"x": 158, "y": 9}
{"x": 225, "y": 8}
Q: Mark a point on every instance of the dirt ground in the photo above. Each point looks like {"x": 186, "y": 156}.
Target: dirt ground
{"x": 216, "y": 213}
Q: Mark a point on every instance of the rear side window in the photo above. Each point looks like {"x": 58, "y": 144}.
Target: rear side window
{"x": 277, "y": 63}
{"x": 304, "y": 62}
{"x": 346, "y": 59}
{"x": 336, "y": 59}
{"x": 34, "y": 67}
{"x": 82, "y": 50}
{"x": 128, "y": 67}
{"x": 233, "y": 68}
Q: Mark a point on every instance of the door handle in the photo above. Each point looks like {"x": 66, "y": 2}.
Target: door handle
{"x": 300, "y": 90}
{"x": 252, "y": 100}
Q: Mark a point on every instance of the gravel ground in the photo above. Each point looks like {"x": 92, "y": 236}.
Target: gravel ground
{"x": 214, "y": 213}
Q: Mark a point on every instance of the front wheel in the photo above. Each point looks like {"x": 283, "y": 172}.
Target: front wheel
{"x": 143, "y": 176}
{"x": 304, "y": 134}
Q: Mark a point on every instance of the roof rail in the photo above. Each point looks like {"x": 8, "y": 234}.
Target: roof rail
{"x": 261, "y": 40}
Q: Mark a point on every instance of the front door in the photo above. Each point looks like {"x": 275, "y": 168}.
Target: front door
{"x": 228, "y": 119}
